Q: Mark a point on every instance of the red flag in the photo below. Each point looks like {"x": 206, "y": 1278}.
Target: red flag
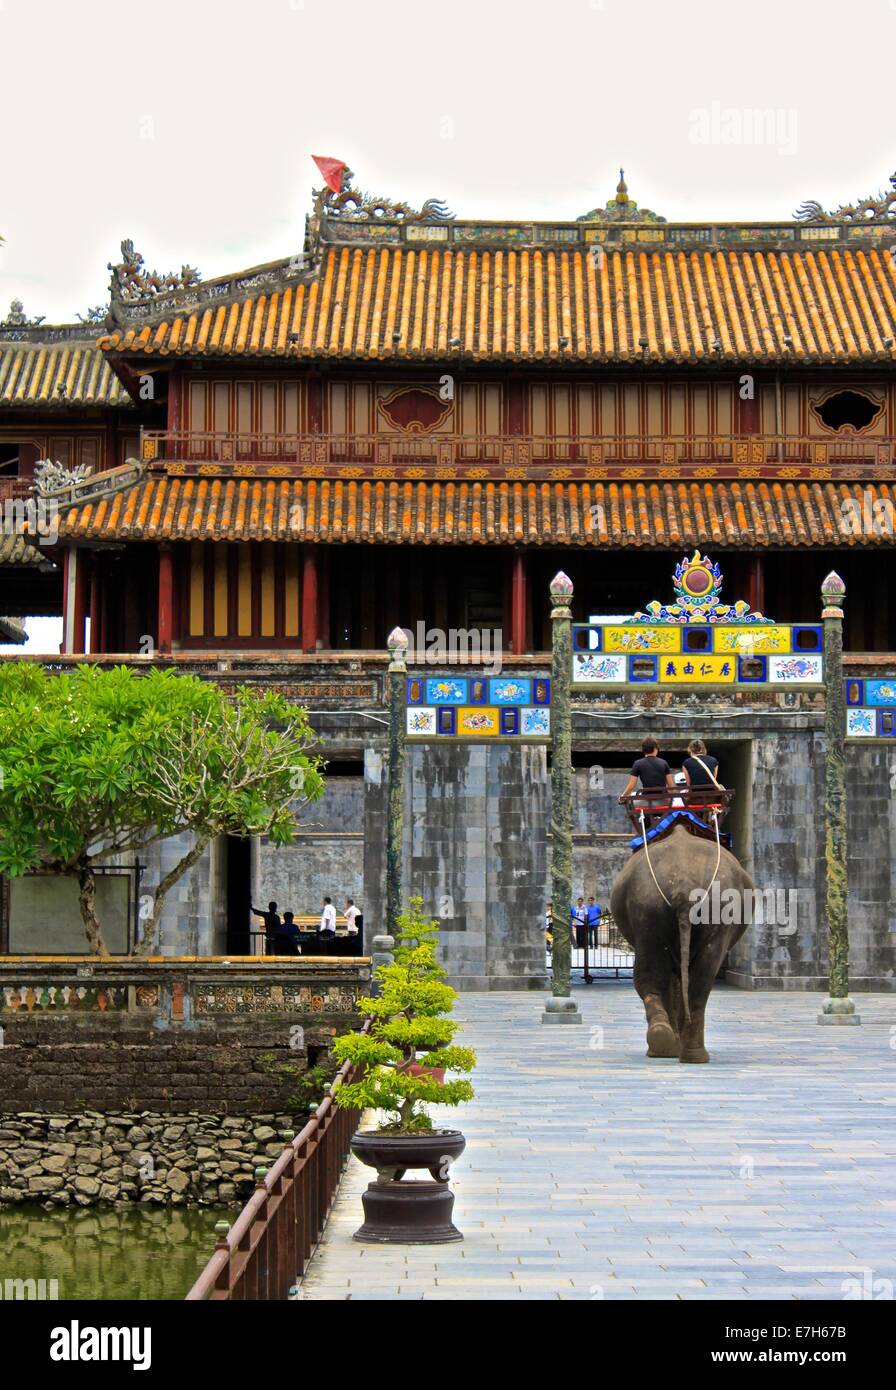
{"x": 332, "y": 170}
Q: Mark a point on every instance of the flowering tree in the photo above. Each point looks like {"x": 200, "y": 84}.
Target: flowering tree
{"x": 96, "y": 763}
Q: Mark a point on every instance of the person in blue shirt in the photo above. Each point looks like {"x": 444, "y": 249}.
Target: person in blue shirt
{"x": 286, "y": 940}
{"x": 593, "y": 919}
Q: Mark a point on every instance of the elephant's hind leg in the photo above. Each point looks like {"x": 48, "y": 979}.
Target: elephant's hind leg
{"x": 653, "y": 986}
{"x": 693, "y": 1048}
{"x": 704, "y": 968}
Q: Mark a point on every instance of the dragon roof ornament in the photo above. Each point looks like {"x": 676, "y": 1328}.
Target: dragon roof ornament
{"x": 351, "y": 205}
{"x": 880, "y": 207}
{"x": 698, "y": 584}
{"x": 132, "y": 284}
{"x": 622, "y": 208}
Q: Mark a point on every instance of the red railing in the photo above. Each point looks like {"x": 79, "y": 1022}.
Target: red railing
{"x": 439, "y": 448}
{"x": 271, "y": 1241}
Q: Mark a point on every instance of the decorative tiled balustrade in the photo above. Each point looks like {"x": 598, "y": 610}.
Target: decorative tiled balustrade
{"x": 177, "y": 991}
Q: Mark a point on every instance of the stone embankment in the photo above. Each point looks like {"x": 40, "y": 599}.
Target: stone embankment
{"x": 92, "y": 1159}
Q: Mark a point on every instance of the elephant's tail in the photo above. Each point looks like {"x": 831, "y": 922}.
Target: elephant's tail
{"x": 684, "y": 946}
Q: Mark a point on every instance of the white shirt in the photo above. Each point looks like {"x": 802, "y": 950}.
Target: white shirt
{"x": 351, "y": 915}
{"x": 328, "y": 919}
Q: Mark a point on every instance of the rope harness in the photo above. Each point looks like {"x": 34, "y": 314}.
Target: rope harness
{"x": 715, "y": 821}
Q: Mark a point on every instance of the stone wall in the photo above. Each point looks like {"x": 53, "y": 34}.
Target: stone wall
{"x": 161, "y": 1159}
{"x": 167, "y": 1035}
{"x": 476, "y": 852}
{"x": 325, "y": 859}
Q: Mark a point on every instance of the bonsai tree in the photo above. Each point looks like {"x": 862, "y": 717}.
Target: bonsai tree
{"x": 101, "y": 763}
{"x": 408, "y": 1048}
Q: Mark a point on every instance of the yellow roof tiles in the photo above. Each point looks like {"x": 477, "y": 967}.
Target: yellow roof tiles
{"x": 57, "y": 375}
{"x": 645, "y": 514}
{"x": 665, "y": 305}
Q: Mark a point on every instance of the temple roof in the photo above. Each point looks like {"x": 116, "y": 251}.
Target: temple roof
{"x": 579, "y": 303}
{"x": 642, "y": 515}
{"x": 15, "y": 550}
{"x": 56, "y": 374}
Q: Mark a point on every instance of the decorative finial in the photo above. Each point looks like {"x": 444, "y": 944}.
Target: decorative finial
{"x": 397, "y": 642}
{"x": 833, "y": 591}
{"x": 621, "y": 208}
{"x": 561, "y": 595}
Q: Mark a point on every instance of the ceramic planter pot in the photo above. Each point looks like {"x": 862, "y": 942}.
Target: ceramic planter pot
{"x": 408, "y": 1213}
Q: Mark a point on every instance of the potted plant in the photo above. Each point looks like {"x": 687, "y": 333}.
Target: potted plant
{"x": 405, "y": 1056}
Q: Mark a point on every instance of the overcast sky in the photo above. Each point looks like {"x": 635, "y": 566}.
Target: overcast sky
{"x": 188, "y": 126}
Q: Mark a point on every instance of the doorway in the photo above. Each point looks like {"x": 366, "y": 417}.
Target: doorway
{"x": 238, "y": 871}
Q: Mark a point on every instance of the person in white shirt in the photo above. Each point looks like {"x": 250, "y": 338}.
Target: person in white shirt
{"x": 351, "y": 915}
{"x": 328, "y": 919}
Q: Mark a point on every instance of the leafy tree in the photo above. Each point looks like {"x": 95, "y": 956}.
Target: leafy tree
{"x": 97, "y": 763}
{"x": 408, "y": 1048}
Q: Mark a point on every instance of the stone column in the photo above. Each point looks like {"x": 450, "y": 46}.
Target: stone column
{"x": 561, "y": 1008}
{"x": 838, "y": 1007}
{"x": 383, "y": 947}
{"x": 398, "y": 671}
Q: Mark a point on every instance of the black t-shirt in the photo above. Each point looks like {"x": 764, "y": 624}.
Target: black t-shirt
{"x": 698, "y": 775}
{"x": 651, "y": 770}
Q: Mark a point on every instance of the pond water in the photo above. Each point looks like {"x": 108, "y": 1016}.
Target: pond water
{"x": 96, "y": 1253}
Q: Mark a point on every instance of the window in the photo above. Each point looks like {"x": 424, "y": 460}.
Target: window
{"x": 847, "y": 410}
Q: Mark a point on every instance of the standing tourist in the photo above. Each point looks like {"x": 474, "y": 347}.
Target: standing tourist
{"x": 328, "y": 919}
{"x": 578, "y": 922}
{"x": 351, "y": 915}
{"x": 271, "y": 920}
{"x": 593, "y": 919}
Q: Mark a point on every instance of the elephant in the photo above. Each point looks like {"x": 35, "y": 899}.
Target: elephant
{"x": 678, "y": 949}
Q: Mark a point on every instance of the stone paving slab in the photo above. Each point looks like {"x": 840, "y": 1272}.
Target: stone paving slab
{"x": 593, "y": 1173}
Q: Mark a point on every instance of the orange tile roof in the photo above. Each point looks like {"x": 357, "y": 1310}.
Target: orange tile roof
{"x": 15, "y": 550}
{"x": 58, "y": 376}
{"x": 648, "y": 515}
{"x": 398, "y": 303}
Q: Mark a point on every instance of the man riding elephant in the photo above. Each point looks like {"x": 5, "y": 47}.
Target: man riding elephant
{"x": 661, "y": 902}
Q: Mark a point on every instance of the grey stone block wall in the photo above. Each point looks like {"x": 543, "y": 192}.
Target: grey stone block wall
{"x": 325, "y": 859}
{"x": 788, "y": 858}
{"x": 476, "y": 823}
{"x": 601, "y": 832}
{"x": 193, "y": 917}
{"x": 871, "y": 797}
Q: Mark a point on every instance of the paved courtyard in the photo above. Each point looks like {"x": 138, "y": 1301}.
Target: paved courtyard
{"x": 591, "y": 1172}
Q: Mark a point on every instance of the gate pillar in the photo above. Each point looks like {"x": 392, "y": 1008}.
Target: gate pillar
{"x": 561, "y": 1007}
{"x": 398, "y": 646}
{"x": 838, "y": 1007}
